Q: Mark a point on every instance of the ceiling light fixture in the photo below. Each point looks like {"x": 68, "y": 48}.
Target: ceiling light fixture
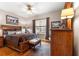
{"x": 29, "y": 9}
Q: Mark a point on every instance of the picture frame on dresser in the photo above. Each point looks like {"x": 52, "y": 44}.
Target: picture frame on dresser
{"x": 55, "y": 24}
{"x": 11, "y": 20}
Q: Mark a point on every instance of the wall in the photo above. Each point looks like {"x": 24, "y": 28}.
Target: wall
{"x": 76, "y": 28}
{"x": 3, "y": 17}
{"x": 76, "y": 31}
{"x": 54, "y": 16}
{"x": 76, "y": 35}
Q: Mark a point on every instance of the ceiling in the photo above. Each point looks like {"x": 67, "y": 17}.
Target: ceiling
{"x": 19, "y": 8}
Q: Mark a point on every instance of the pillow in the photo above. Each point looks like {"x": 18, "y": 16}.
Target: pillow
{"x": 33, "y": 41}
{"x": 18, "y": 32}
{"x": 11, "y": 32}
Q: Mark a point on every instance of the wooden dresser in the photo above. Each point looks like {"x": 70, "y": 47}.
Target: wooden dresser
{"x": 1, "y": 41}
{"x": 61, "y": 42}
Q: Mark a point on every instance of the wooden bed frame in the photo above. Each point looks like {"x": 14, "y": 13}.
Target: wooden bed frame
{"x": 23, "y": 44}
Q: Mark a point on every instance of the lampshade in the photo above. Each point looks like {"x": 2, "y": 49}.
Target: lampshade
{"x": 67, "y": 13}
{"x": 63, "y": 17}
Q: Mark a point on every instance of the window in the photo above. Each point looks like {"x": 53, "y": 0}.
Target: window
{"x": 40, "y": 26}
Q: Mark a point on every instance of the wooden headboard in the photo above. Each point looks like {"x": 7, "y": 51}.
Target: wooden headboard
{"x": 10, "y": 27}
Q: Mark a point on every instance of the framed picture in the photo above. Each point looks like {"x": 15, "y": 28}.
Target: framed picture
{"x": 55, "y": 24}
{"x": 11, "y": 20}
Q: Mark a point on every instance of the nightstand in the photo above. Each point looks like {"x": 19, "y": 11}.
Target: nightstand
{"x": 1, "y": 41}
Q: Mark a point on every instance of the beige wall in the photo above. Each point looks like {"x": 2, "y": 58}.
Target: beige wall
{"x": 76, "y": 28}
{"x": 76, "y": 35}
{"x": 3, "y": 17}
{"x": 54, "y": 16}
{"x": 76, "y": 31}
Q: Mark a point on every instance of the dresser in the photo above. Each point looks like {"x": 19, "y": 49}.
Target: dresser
{"x": 1, "y": 41}
{"x": 61, "y": 42}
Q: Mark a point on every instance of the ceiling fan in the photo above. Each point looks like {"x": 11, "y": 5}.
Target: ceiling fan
{"x": 31, "y": 9}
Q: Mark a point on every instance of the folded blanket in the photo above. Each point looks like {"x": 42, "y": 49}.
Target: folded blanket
{"x": 34, "y": 41}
